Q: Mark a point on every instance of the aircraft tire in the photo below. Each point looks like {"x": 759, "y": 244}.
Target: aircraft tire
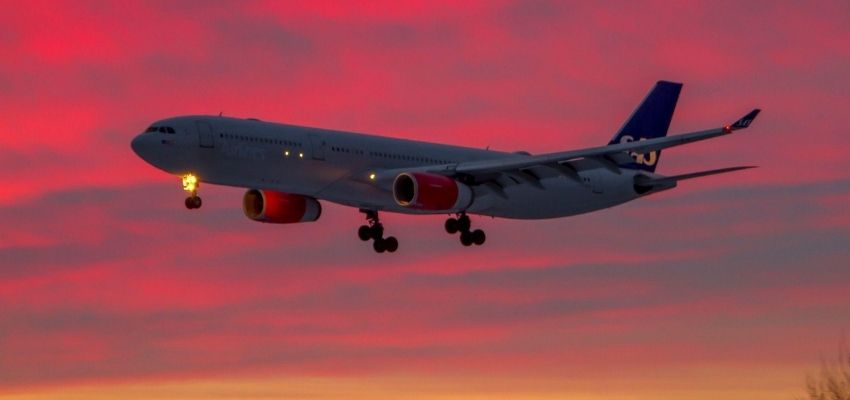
{"x": 391, "y": 244}
{"x": 193, "y": 202}
{"x": 463, "y": 223}
{"x": 478, "y": 237}
{"x": 466, "y": 238}
{"x": 379, "y": 246}
{"x": 452, "y": 226}
{"x": 376, "y": 231}
{"x": 364, "y": 233}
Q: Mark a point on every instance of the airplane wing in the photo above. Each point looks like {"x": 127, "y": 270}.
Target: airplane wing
{"x": 610, "y": 156}
{"x": 519, "y": 168}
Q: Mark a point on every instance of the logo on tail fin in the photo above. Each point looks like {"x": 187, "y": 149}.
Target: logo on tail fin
{"x": 648, "y": 159}
{"x": 650, "y": 120}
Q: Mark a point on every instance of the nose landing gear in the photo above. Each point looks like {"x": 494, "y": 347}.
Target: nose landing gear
{"x": 462, "y": 224}
{"x": 375, "y": 231}
{"x": 191, "y": 184}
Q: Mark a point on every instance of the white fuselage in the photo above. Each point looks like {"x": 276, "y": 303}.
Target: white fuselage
{"x": 329, "y": 165}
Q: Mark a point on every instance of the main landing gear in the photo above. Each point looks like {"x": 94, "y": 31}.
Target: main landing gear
{"x": 462, "y": 224}
{"x": 191, "y": 184}
{"x": 375, "y": 231}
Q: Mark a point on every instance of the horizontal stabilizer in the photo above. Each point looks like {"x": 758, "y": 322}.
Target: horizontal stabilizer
{"x": 676, "y": 178}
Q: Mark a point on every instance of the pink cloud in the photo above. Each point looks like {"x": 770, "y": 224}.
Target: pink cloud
{"x": 104, "y": 276}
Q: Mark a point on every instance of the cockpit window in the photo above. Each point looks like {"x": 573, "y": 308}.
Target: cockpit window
{"x": 163, "y": 129}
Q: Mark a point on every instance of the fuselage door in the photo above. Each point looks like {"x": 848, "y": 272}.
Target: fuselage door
{"x": 205, "y": 134}
{"x": 318, "y": 147}
{"x": 593, "y": 180}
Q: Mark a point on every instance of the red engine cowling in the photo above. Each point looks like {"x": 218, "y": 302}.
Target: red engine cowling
{"x": 424, "y": 191}
{"x": 280, "y": 208}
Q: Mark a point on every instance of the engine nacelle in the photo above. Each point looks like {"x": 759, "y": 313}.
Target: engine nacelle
{"x": 424, "y": 191}
{"x": 280, "y": 208}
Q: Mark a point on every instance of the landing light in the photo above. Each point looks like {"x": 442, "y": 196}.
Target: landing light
{"x": 190, "y": 182}
{"x": 286, "y": 153}
{"x": 300, "y": 155}
{"x": 372, "y": 176}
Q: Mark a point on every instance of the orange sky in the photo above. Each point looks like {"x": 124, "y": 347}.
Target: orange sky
{"x": 709, "y": 382}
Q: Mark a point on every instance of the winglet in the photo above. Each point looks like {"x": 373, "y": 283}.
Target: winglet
{"x": 744, "y": 122}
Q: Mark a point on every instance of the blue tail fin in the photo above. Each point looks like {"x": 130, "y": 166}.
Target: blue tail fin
{"x": 650, "y": 120}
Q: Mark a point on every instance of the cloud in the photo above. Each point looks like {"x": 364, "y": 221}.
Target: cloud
{"x": 104, "y": 275}
{"x": 149, "y": 304}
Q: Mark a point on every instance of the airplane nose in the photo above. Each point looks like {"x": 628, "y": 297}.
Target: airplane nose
{"x": 143, "y": 146}
{"x": 137, "y": 145}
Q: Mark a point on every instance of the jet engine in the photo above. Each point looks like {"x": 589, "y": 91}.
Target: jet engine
{"x": 280, "y": 208}
{"x": 433, "y": 192}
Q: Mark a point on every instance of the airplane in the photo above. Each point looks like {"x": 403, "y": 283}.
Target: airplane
{"x": 287, "y": 169}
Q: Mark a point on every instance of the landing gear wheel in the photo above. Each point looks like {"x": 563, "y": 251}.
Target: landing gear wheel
{"x": 379, "y": 245}
{"x": 478, "y": 237}
{"x": 391, "y": 244}
{"x": 452, "y": 226}
{"x": 193, "y": 202}
{"x": 463, "y": 223}
{"x": 376, "y": 231}
{"x": 364, "y": 233}
{"x": 466, "y": 238}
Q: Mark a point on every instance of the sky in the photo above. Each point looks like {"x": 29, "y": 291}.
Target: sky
{"x": 731, "y": 287}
